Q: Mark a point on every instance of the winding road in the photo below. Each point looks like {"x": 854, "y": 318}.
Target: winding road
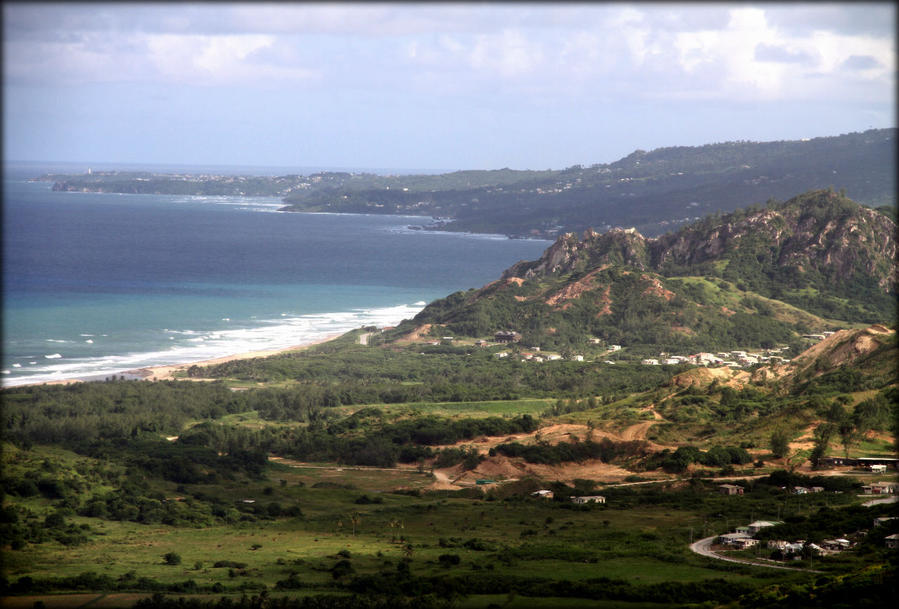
{"x": 703, "y": 547}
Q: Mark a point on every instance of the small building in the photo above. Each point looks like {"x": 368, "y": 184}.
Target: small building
{"x": 588, "y": 499}
{"x": 739, "y": 541}
{"x": 614, "y": 347}
{"x": 730, "y": 489}
{"x": 877, "y": 468}
{"x": 758, "y": 525}
{"x": 650, "y": 362}
{"x": 883, "y": 520}
{"x": 816, "y": 489}
{"x": 892, "y": 541}
{"x": 543, "y": 494}
{"x": 787, "y": 547}
{"x": 835, "y": 545}
{"x": 577, "y": 358}
{"x": 481, "y": 343}
{"x": 880, "y": 488}
{"x": 507, "y": 337}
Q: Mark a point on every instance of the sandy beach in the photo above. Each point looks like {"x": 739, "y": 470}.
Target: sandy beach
{"x": 168, "y": 372}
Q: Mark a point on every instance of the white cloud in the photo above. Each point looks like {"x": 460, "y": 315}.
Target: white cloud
{"x": 509, "y": 54}
{"x": 725, "y": 51}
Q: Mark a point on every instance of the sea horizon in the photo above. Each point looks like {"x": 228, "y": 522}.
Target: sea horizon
{"x": 78, "y": 167}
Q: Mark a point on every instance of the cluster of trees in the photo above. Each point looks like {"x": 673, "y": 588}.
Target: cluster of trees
{"x": 877, "y": 413}
{"x": 679, "y": 460}
{"x": 827, "y": 523}
{"x": 605, "y": 450}
{"x": 20, "y": 525}
{"x": 80, "y": 414}
{"x": 360, "y": 375}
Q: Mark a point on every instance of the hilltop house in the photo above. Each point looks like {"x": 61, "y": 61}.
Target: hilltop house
{"x": 730, "y": 489}
{"x": 758, "y": 525}
{"x": 588, "y": 499}
{"x": 892, "y": 541}
{"x": 543, "y": 494}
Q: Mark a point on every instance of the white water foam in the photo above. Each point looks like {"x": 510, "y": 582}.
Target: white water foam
{"x": 197, "y": 346}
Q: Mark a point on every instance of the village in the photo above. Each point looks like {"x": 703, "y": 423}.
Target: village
{"x": 730, "y": 359}
{"x": 745, "y": 537}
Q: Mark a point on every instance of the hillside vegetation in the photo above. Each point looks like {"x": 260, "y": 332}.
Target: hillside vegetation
{"x": 753, "y": 278}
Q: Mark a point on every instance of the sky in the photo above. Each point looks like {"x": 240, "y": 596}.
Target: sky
{"x": 434, "y": 86}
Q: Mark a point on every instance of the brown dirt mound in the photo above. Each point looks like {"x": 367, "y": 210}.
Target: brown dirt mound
{"x": 589, "y": 470}
{"x": 499, "y": 466}
{"x": 842, "y": 347}
{"x": 706, "y": 376}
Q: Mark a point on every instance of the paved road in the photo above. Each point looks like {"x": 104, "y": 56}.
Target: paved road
{"x": 704, "y": 548}
{"x": 879, "y": 501}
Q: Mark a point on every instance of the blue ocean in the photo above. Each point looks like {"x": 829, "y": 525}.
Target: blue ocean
{"x": 99, "y": 284}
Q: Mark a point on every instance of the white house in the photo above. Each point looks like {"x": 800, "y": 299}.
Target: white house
{"x": 588, "y": 499}
{"x": 543, "y": 494}
{"x": 758, "y": 525}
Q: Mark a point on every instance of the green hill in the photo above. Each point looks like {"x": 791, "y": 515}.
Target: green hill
{"x": 751, "y": 278}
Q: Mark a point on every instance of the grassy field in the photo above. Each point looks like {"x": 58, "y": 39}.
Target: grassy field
{"x": 534, "y": 538}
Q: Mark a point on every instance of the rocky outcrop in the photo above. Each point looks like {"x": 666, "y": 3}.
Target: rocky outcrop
{"x": 821, "y": 231}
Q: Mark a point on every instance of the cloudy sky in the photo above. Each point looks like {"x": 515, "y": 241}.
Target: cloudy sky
{"x": 434, "y": 86}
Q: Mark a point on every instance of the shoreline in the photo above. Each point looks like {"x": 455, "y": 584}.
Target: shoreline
{"x": 166, "y": 372}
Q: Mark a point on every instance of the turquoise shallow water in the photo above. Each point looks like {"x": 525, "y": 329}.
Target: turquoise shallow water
{"x": 95, "y": 284}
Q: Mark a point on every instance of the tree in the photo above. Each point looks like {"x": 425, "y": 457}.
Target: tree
{"x": 779, "y": 444}
{"x": 356, "y": 519}
{"x": 171, "y": 558}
